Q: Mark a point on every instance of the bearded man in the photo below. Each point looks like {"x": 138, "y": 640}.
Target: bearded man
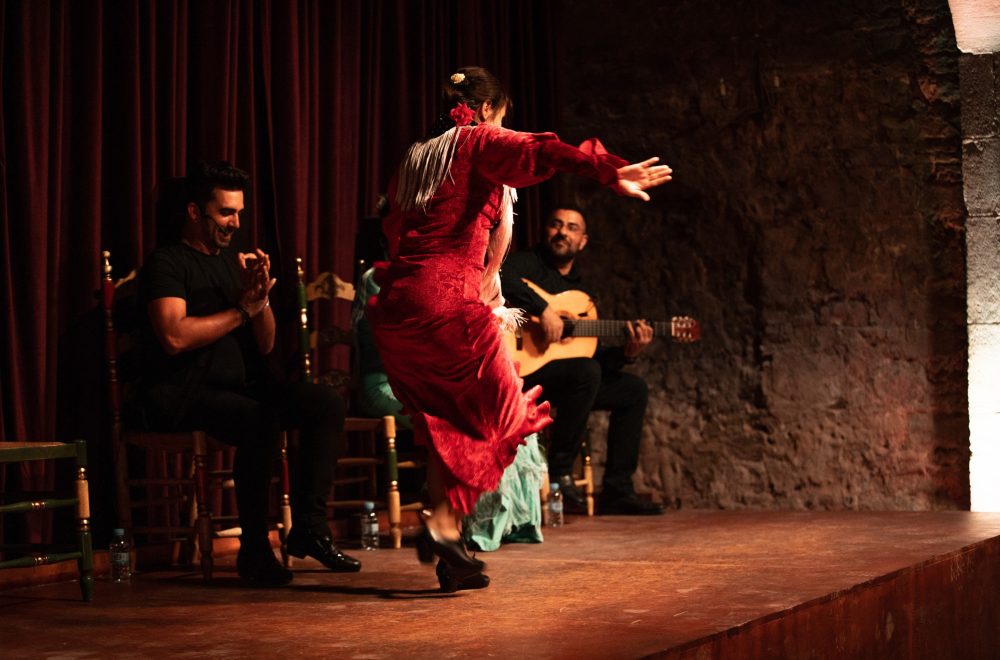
{"x": 575, "y": 386}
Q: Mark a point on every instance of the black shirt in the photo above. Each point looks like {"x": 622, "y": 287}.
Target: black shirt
{"x": 536, "y": 265}
{"x": 209, "y": 284}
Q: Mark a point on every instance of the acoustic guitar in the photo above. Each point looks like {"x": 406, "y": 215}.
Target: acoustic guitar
{"x": 581, "y": 328}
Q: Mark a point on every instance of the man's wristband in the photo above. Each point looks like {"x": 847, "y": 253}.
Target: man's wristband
{"x": 244, "y": 314}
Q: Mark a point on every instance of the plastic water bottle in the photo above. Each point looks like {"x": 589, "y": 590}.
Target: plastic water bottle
{"x": 369, "y": 527}
{"x": 555, "y": 506}
{"x": 120, "y": 553}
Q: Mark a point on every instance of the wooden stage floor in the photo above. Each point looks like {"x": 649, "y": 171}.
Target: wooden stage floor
{"x": 687, "y": 584}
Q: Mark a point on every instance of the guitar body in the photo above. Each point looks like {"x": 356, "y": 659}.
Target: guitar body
{"x": 528, "y": 347}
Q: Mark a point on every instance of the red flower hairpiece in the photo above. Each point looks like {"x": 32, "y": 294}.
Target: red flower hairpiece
{"x": 461, "y": 114}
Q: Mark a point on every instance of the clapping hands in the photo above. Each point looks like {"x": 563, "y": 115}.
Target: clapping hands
{"x": 257, "y": 281}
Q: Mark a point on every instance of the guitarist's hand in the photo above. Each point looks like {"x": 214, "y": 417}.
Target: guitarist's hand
{"x": 640, "y": 335}
{"x": 552, "y": 325}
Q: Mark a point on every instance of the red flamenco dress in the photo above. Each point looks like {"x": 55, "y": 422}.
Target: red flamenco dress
{"x": 434, "y": 320}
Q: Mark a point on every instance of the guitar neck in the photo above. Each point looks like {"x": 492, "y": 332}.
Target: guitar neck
{"x": 609, "y": 328}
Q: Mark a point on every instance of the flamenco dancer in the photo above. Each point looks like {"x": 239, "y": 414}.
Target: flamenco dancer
{"x": 439, "y": 315}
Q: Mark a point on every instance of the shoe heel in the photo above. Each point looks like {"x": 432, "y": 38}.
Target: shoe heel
{"x": 448, "y": 582}
{"x": 451, "y": 583}
{"x": 425, "y": 548}
{"x": 452, "y": 552}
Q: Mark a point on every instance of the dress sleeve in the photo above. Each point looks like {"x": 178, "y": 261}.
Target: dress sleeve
{"x": 520, "y": 159}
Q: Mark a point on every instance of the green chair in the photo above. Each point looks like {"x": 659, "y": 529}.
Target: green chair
{"x": 370, "y": 442}
{"x": 41, "y": 554}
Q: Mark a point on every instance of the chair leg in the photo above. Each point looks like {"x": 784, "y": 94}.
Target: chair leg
{"x": 395, "y": 516}
{"x": 189, "y": 550}
{"x": 204, "y": 520}
{"x": 86, "y": 565}
{"x": 86, "y": 560}
{"x": 286, "y": 507}
{"x": 544, "y": 497}
{"x": 122, "y": 495}
{"x": 392, "y": 497}
{"x": 588, "y": 486}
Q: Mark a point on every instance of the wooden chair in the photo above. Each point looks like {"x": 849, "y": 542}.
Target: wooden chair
{"x": 584, "y": 477}
{"x": 37, "y": 555}
{"x": 182, "y": 496}
{"x": 364, "y": 455}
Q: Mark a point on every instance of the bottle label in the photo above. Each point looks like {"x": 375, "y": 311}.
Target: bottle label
{"x": 369, "y": 528}
{"x": 120, "y": 558}
{"x": 556, "y": 507}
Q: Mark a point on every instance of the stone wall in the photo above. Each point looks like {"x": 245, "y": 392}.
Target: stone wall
{"x": 980, "y": 75}
{"x": 814, "y": 227}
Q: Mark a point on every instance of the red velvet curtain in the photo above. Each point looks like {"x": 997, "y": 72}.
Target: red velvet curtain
{"x": 104, "y": 99}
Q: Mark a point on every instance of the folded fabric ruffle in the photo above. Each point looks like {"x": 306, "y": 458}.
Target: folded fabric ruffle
{"x": 512, "y": 513}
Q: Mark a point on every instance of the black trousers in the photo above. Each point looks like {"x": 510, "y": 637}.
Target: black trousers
{"x": 576, "y": 386}
{"x": 250, "y": 420}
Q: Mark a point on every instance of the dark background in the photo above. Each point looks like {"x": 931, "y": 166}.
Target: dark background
{"x": 815, "y": 225}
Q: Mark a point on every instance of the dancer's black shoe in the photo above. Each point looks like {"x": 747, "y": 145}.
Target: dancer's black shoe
{"x": 452, "y": 553}
{"x": 450, "y": 584}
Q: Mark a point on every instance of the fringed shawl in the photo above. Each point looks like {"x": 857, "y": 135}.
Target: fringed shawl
{"x": 421, "y": 173}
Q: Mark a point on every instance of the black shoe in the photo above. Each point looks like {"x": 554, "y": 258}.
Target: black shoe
{"x": 425, "y": 547}
{"x": 450, "y": 584}
{"x": 301, "y": 542}
{"x": 627, "y": 505}
{"x": 574, "y": 499}
{"x": 452, "y": 553}
{"x": 257, "y": 565}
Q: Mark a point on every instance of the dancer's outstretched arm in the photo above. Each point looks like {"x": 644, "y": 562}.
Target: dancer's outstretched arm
{"x": 635, "y": 179}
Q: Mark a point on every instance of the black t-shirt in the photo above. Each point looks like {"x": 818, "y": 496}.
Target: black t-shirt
{"x": 209, "y": 284}
{"x": 535, "y": 265}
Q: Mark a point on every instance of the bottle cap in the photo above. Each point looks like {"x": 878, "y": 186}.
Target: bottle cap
{"x": 118, "y": 531}
{"x": 554, "y": 485}
{"x": 369, "y": 506}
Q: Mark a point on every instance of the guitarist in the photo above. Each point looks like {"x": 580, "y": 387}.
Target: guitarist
{"x": 575, "y": 386}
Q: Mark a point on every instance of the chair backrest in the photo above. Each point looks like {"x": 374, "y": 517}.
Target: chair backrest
{"x": 326, "y": 286}
{"x": 121, "y": 339}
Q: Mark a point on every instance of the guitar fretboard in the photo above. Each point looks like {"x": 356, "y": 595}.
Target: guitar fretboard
{"x": 609, "y": 328}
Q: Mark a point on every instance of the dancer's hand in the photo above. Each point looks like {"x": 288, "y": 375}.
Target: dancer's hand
{"x": 635, "y": 179}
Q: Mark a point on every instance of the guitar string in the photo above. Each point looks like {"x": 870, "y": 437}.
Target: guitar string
{"x": 609, "y": 327}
